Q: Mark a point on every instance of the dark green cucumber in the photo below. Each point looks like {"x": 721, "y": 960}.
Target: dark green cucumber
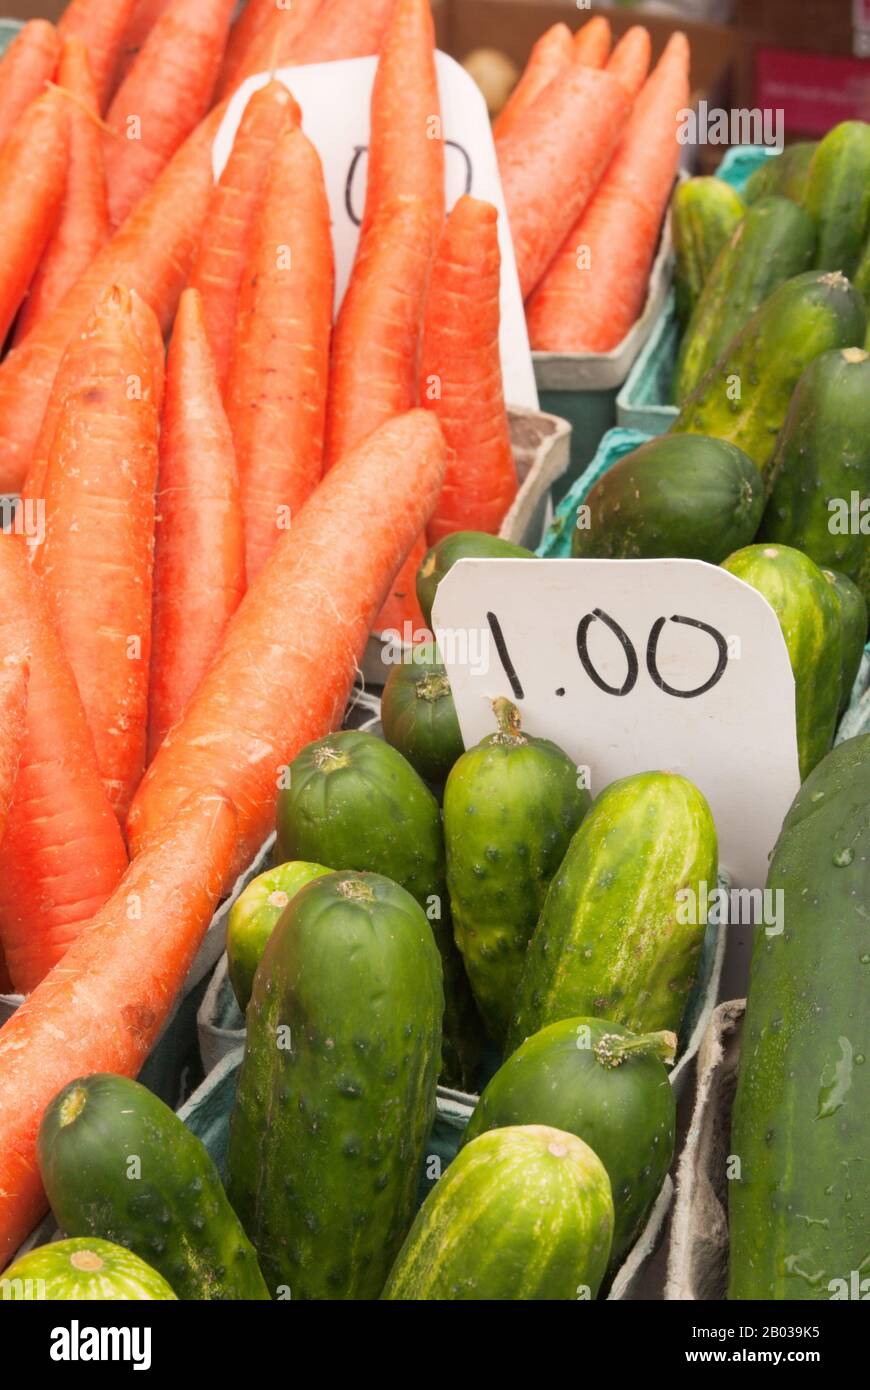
{"x": 618, "y": 938}
{"x": 254, "y": 916}
{"x": 853, "y": 629}
{"x": 774, "y": 241}
{"x": 337, "y": 1089}
{"x": 461, "y": 545}
{"x": 419, "y": 716}
{"x": 511, "y": 806}
{"x": 704, "y": 213}
{"x": 82, "y": 1270}
{"x": 523, "y": 1213}
{"x": 678, "y": 495}
{"x": 353, "y": 802}
{"x": 116, "y": 1163}
{"x": 785, "y": 174}
{"x": 837, "y": 196}
{"x": 605, "y": 1084}
{"x": 809, "y": 615}
{"x": 799, "y": 1210}
{"x": 744, "y": 399}
{"x": 821, "y": 466}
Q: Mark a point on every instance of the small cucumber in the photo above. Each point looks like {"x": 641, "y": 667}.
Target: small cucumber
{"x": 254, "y": 916}
{"x": 853, "y": 629}
{"x": 785, "y": 173}
{"x": 461, "y": 545}
{"x": 82, "y": 1270}
{"x": 704, "y": 214}
{"x": 419, "y": 716}
{"x": 838, "y": 196}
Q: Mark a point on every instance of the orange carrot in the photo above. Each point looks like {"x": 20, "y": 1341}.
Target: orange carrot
{"x": 102, "y": 24}
{"x": 96, "y": 560}
{"x": 286, "y": 665}
{"x": 630, "y": 59}
{"x": 33, "y": 165}
{"x": 549, "y": 56}
{"x": 145, "y": 15}
{"x": 552, "y": 160}
{"x": 103, "y": 1008}
{"x": 166, "y": 93}
{"x": 591, "y": 43}
{"x": 263, "y": 38}
{"x": 406, "y": 147}
{"x": 337, "y": 29}
{"x": 276, "y": 391}
{"x": 225, "y": 244}
{"x": 63, "y": 853}
{"x": 28, "y": 63}
{"x": 199, "y": 566}
{"x": 83, "y": 227}
{"x": 151, "y": 254}
{"x": 14, "y": 674}
{"x": 591, "y": 309}
{"x": 460, "y": 374}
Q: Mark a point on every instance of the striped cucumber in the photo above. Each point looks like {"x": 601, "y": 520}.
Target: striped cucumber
{"x": 853, "y": 629}
{"x": 704, "y": 213}
{"x": 838, "y": 196}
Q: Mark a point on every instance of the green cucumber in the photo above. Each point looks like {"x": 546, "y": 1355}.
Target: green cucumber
{"x": 853, "y": 630}
{"x": 511, "y": 805}
{"x": 523, "y": 1213}
{"x": 608, "y": 1086}
{"x": 353, "y": 802}
{"x": 118, "y": 1164}
{"x": 809, "y": 615}
{"x": 336, "y": 1094}
{"x": 461, "y": 545}
{"x": 419, "y": 716}
{"x": 704, "y": 213}
{"x": 799, "y": 1209}
{"x": 254, "y": 916}
{"x": 786, "y": 173}
{"x": 745, "y": 398}
{"x": 822, "y": 463}
{"x": 838, "y": 196}
{"x": 774, "y": 241}
{"x": 82, "y": 1270}
{"x": 678, "y": 495}
{"x": 615, "y": 939}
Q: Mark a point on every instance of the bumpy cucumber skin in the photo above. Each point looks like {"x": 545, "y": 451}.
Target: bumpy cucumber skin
{"x": 83, "y": 1270}
{"x": 521, "y": 1214}
{"x": 625, "y": 1113}
{"x": 838, "y": 196}
{"x": 254, "y": 916}
{"x": 704, "y": 214}
{"x": 809, "y": 615}
{"x": 775, "y": 241}
{"x": 853, "y": 630}
{"x": 678, "y": 495}
{"x": 328, "y": 1132}
{"x": 461, "y": 545}
{"x": 609, "y": 943}
{"x": 785, "y": 174}
{"x": 799, "y": 1212}
{"x": 823, "y": 454}
{"x": 173, "y": 1213}
{"x": 355, "y": 803}
{"x": 419, "y": 716}
{"x": 803, "y": 318}
{"x": 510, "y": 809}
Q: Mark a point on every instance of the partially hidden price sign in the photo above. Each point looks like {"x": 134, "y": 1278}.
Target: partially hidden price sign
{"x": 635, "y": 666}
{"x": 335, "y": 99}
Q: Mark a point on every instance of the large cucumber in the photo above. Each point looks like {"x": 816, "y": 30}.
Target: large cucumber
{"x": 704, "y": 213}
{"x": 786, "y": 173}
{"x": 678, "y": 495}
{"x": 254, "y": 916}
{"x": 618, "y": 937}
{"x": 511, "y": 806}
{"x": 337, "y": 1089}
{"x": 82, "y": 1270}
{"x": 419, "y": 716}
{"x": 116, "y": 1163}
{"x": 353, "y": 802}
{"x": 809, "y": 615}
{"x": 522, "y": 1213}
{"x": 822, "y": 463}
{"x": 853, "y": 629}
{"x": 800, "y": 1207}
{"x": 774, "y": 241}
{"x": 461, "y": 545}
{"x": 745, "y": 397}
{"x": 838, "y": 196}
{"x": 605, "y": 1084}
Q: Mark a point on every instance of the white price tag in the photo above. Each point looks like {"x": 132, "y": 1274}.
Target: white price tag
{"x": 632, "y": 666}
{"x": 335, "y": 100}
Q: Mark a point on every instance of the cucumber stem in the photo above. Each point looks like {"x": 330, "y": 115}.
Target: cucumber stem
{"x": 612, "y": 1050}
{"x": 432, "y": 687}
{"x": 328, "y": 759}
{"x": 509, "y": 721}
{"x": 356, "y": 891}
